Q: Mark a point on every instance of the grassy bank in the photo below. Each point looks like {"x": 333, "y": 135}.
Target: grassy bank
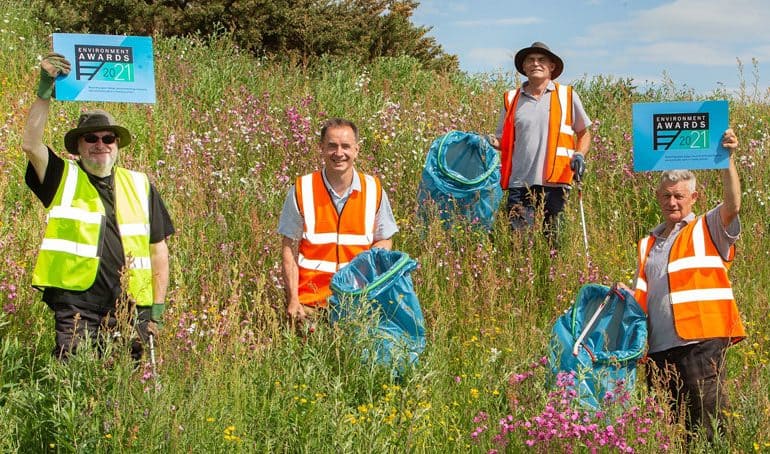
{"x": 226, "y": 138}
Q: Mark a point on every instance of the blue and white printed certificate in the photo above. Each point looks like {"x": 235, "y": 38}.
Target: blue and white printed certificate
{"x": 106, "y": 68}
{"x": 680, "y": 135}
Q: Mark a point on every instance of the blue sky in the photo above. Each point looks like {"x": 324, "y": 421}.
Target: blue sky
{"x": 696, "y": 42}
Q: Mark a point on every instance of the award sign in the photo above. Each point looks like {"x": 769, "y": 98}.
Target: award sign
{"x": 679, "y": 135}
{"x": 106, "y": 68}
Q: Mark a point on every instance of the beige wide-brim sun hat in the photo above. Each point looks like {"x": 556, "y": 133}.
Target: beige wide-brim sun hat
{"x": 93, "y": 121}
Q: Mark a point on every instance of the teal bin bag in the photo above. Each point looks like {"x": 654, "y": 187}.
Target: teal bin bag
{"x": 376, "y": 285}
{"x": 461, "y": 180}
{"x": 600, "y": 339}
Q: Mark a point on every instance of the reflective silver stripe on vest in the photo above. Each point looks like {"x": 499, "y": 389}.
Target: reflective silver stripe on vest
{"x": 698, "y": 240}
{"x": 71, "y": 247}
{"x": 134, "y": 229}
{"x": 318, "y": 265}
{"x": 308, "y": 205}
{"x": 564, "y": 151}
{"x": 564, "y": 128}
{"x": 138, "y": 229}
{"x": 140, "y": 263}
{"x": 70, "y": 184}
{"x": 563, "y": 91}
{"x": 77, "y": 214}
{"x": 714, "y": 294}
{"x": 511, "y": 96}
{"x": 689, "y": 263}
{"x": 307, "y": 202}
{"x": 139, "y": 184}
{"x": 643, "y": 249}
{"x": 641, "y": 284}
{"x": 370, "y": 187}
{"x": 343, "y": 239}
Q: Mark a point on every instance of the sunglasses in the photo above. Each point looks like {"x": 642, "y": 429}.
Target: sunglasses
{"x": 93, "y": 138}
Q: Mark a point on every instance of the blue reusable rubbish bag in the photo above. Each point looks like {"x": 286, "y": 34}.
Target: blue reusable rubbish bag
{"x": 613, "y": 344}
{"x": 461, "y": 179}
{"x": 376, "y": 284}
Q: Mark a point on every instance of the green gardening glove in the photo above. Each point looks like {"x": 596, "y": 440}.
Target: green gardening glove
{"x": 157, "y": 313}
{"x": 152, "y": 313}
{"x": 52, "y": 65}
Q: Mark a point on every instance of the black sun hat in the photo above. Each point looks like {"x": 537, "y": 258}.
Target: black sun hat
{"x": 538, "y": 47}
{"x": 92, "y": 121}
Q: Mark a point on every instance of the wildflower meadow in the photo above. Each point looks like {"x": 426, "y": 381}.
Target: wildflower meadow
{"x": 228, "y": 135}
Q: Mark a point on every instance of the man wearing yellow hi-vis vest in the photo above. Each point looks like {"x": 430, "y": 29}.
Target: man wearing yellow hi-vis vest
{"x": 106, "y": 231}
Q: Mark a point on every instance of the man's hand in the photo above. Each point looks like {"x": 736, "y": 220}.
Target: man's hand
{"x": 301, "y": 318}
{"x": 730, "y": 140}
{"x": 578, "y": 165}
{"x": 52, "y": 65}
{"x": 492, "y": 139}
{"x": 147, "y": 328}
{"x": 295, "y": 311}
{"x": 152, "y": 329}
{"x": 148, "y": 321}
{"x": 625, "y": 287}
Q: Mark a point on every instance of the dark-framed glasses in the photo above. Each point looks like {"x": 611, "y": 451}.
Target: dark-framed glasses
{"x": 106, "y": 139}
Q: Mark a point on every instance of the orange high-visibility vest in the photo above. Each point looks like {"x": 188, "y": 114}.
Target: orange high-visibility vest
{"x": 702, "y": 298}
{"x": 561, "y": 136}
{"x": 330, "y": 240}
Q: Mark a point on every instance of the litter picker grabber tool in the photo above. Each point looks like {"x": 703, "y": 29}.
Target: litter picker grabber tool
{"x": 152, "y": 358}
{"x": 589, "y": 325}
{"x": 582, "y": 215}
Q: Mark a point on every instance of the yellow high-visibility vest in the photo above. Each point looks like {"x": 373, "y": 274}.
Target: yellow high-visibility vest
{"x": 69, "y": 254}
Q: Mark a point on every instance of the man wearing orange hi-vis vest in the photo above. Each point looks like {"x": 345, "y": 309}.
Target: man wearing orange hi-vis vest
{"x": 543, "y": 137}
{"x": 682, "y": 284}
{"x": 330, "y": 216}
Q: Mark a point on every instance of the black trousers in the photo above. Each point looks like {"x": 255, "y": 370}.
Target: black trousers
{"x": 73, "y": 324}
{"x": 523, "y": 203}
{"x": 693, "y": 377}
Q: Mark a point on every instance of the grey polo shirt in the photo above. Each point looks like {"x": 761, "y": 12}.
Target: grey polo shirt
{"x": 660, "y": 318}
{"x": 531, "y": 143}
{"x": 290, "y": 224}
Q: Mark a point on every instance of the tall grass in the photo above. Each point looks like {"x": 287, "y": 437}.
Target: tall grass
{"x": 226, "y": 138}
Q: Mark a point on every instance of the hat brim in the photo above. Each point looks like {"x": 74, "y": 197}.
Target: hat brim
{"x": 72, "y": 136}
{"x": 522, "y": 54}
